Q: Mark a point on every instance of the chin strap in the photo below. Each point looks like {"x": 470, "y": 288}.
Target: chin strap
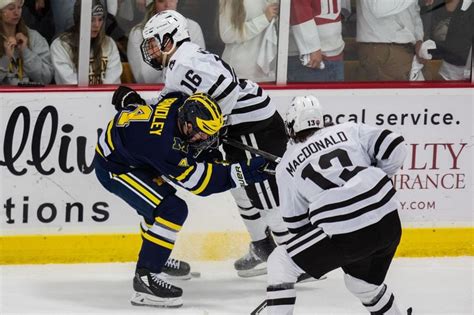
{"x": 165, "y": 59}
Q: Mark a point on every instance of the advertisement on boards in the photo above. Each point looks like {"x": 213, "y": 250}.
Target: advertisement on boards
{"x": 435, "y": 184}
{"x": 47, "y": 145}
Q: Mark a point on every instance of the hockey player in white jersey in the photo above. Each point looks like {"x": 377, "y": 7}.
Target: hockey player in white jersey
{"x": 250, "y": 117}
{"x": 337, "y": 197}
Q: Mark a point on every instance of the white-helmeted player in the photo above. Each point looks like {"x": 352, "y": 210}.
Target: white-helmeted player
{"x": 337, "y": 197}
{"x": 250, "y": 117}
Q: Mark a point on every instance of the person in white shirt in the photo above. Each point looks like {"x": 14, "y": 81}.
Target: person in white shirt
{"x": 242, "y": 28}
{"x": 24, "y": 53}
{"x": 105, "y": 66}
{"x": 389, "y": 34}
{"x": 338, "y": 201}
{"x": 142, "y": 72}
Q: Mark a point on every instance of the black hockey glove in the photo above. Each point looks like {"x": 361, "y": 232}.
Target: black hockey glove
{"x": 125, "y": 96}
{"x": 250, "y": 172}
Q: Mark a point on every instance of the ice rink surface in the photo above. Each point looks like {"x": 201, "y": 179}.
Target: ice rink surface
{"x": 430, "y": 286}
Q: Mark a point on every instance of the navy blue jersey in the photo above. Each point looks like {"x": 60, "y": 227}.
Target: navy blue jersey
{"x": 147, "y": 137}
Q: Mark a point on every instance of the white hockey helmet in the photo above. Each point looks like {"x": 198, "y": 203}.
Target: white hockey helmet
{"x": 165, "y": 26}
{"x": 305, "y": 112}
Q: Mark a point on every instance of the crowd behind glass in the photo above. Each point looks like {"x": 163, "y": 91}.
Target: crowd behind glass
{"x": 329, "y": 40}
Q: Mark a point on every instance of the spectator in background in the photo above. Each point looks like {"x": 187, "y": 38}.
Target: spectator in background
{"x": 243, "y": 26}
{"x": 208, "y": 18}
{"x": 104, "y": 67}
{"x": 453, "y": 31}
{"x": 63, "y": 11}
{"x": 316, "y": 45}
{"x": 39, "y": 16}
{"x": 389, "y": 34}
{"x": 24, "y": 53}
{"x": 142, "y": 72}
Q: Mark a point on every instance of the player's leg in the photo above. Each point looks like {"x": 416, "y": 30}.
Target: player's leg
{"x": 158, "y": 242}
{"x": 310, "y": 251}
{"x": 253, "y": 263}
{"x": 164, "y": 213}
{"x": 173, "y": 269}
{"x": 365, "y": 278}
{"x": 269, "y": 136}
{"x": 258, "y": 206}
{"x": 316, "y": 253}
{"x": 281, "y": 279}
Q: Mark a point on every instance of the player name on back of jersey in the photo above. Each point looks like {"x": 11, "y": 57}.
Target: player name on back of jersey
{"x": 314, "y": 147}
{"x": 159, "y": 116}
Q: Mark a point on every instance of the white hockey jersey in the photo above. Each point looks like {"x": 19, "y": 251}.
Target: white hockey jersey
{"x": 192, "y": 70}
{"x": 339, "y": 178}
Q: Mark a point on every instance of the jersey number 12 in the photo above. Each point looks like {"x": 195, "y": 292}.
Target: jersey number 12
{"x": 325, "y": 162}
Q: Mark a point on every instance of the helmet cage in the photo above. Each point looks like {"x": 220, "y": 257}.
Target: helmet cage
{"x": 145, "y": 48}
{"x": 210, "y": 143}
{"x": 162, "y": 27}
{"x": 147, "y": 58}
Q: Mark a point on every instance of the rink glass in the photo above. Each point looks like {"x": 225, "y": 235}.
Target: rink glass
{"x": 128, "y": 13}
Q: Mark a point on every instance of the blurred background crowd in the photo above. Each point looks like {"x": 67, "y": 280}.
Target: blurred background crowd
{"x": 328, "y": 40}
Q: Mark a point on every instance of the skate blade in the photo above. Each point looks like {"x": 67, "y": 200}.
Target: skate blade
{"x": 251, "y": 272}
{"x": 143, "y": 299}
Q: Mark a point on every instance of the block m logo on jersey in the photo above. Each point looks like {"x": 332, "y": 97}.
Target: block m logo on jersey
{"x": 180, "y": 145}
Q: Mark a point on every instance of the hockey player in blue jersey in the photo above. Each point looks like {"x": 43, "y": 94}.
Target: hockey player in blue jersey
{"x": 143, "y": 148}
{"x": 250, "y": 115}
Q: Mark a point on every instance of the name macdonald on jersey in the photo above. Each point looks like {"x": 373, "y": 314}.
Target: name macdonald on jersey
{"x": 315, "y": 147}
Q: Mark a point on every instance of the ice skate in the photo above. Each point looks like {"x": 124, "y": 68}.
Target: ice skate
{"x": 152, "y": 290}
{"x": 254, "y": 263}
{"x": 176, "y": 269}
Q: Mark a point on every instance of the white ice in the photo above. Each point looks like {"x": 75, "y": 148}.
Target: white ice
{"x": 430, "y": 286}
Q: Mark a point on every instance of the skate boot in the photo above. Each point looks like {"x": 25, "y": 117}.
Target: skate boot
{"x": 254, "y": 263}
{"x": 152, "y": 290}
{"x": 176, "y": 269}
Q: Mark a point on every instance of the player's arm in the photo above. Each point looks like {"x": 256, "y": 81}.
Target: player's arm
{"x": 386, "y": 149}
{"x": 206, "y": 178}
{"x": 293, "y": 210}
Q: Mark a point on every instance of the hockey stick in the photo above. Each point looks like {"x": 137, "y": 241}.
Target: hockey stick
{"x": 263, "y": 305}
{"x": 259, "y": 308}
{"x": 240, "y": 145}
